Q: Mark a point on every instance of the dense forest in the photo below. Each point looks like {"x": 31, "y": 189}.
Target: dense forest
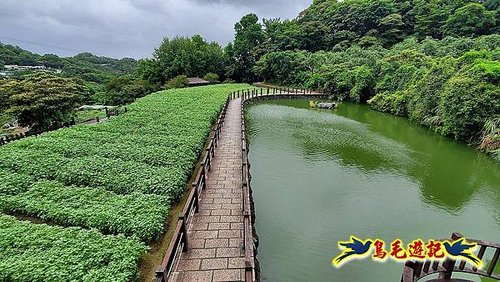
{"x": 436, "y": 62}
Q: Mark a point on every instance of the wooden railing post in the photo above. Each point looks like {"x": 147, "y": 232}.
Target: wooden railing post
{"x": 160, "y": 274}
{"x": 182, "y": 218}
{"x": 195, "y": 187}
{"x": 449, "y": 264}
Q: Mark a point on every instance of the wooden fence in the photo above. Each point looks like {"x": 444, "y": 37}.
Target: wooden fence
{"x": 248, "y": 212}
{"x": 9, "y": 138}
{"x": 179, "y": 242}
{"x": 416, "y": 270}
{"x": 260, "y": 92}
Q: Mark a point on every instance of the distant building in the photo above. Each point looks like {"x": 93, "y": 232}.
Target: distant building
{"x": 11, "y": 69}
{"x": 196, "y": 81}
{"x": 17, "y": 67}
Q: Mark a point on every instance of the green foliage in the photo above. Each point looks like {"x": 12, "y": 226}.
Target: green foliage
{"x": 85, "y": 66}
{"x": 280, "y": 66}
{"x": 363, "y": 84}
{"x": 14, "y": 183}
{"x": 122, "y": 90}
{"x": 179, "y": 81}
{"x": 42, "y": 100}
{"x": 338, "y": 25}
{"x": 243, "y": 52}
{"x": 490, "y": 141}
{"x": 211, "y": 77}
{"x": 450, "y": 85}
{"x": 138, "y": 215}
{"x": 393, "y": 102}
{"x": 86, "y": 115}
{"x": 5, "y": 86}
{"x": 182, "y": 56}
{"x": 469, "y": 98}
{"x": 423, "y": 104}
{"x": 119, "y": 177}
{"x": 470, "y": 20}
{"x": 13, "y": 55}
{"x": 38, "y": 252}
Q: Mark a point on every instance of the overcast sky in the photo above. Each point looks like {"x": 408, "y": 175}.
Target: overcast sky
{"x": 126, "y": 28}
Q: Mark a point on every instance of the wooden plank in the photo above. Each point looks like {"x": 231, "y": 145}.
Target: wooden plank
{"x": 493, "y": 262}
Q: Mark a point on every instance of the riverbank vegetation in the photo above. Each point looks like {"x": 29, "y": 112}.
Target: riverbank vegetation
{"x": 435, "y": 62}
{"x": 444, "y": 84}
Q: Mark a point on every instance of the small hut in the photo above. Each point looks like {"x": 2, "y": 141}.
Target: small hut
{"x": 196, "y": 81}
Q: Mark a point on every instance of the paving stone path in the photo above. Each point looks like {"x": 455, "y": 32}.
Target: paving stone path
{"x": 215, "y": 238}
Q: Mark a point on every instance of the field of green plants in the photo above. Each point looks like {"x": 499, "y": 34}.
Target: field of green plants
{"x": 105, "y": 190}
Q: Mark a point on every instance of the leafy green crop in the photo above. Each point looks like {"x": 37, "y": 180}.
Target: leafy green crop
{"x": 13, "y": 183}
{"x": 118, "y": 177}
{"x": 137, "y": 214}
{"x": 38, "y": 252}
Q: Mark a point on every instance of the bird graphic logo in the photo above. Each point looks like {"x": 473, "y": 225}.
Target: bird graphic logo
{"x": 353, "y": 249}
{"x": 462, "y": 249}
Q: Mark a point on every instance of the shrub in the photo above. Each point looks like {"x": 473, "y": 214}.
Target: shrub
{"x": 211, "y": 77}
{"x": 469, "y": 98}
{"x": 423, "y": 103}
{"x": 179, "y": 81}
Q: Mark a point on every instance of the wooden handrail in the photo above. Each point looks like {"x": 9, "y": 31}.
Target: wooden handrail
{"x": 415, "y": 270}
{"x": 179, "y": 242}
{"x": 249, "y": 94}
{"x": 248, "y": 236}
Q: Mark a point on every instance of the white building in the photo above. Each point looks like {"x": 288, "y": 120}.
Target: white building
{"x": 17, "y": 67}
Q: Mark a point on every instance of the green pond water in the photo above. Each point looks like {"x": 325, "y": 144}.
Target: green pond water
{"x": 320, "y": 176}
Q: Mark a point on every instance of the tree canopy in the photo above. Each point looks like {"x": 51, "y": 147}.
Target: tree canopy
{"x": 182, "y": 56}
{"x": 43, "y": 100}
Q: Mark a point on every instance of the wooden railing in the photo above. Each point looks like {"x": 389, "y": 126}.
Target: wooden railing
{"x": 260, "y": 92}
{"x": 9, "y": 138}
{"x": 248, "y": 234}
{"x": 179, "y": 242}
{"x": 416, "y": 270}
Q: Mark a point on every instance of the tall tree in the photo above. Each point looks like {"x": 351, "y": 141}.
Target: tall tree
{"x": 182, "y": 56}
{"x": 43, "y": 100}
{"x": 243, "y": 52}
{"x": 470, "y": 20}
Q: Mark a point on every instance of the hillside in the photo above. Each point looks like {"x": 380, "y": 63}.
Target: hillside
{"x": 90, "y": 67}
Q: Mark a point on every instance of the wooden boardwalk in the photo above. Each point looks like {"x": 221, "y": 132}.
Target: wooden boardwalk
{"x": 214, "y": 238}
{"x": 215, "y": 235}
